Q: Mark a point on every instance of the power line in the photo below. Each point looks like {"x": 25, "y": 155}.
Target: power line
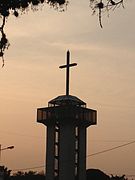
{"x": 93, "y": 154}
{"x": 130, "y": 175}
{"x": 19, "y": 134}
{"x": 111, "y": 149}
{"x": 29, "y": 168}
{"x": 42, "y": 137}
{"x": 114, "y": 105}
{"x": 37, "y": 167}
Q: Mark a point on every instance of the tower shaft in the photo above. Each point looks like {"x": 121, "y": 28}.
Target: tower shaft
{"x": 66, "y": 152}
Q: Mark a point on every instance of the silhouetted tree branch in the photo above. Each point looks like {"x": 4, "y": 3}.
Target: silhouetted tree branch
{"x": 17, "y": 7}
{"x": 4, "y": 44}
{"x": 104, "y": 5}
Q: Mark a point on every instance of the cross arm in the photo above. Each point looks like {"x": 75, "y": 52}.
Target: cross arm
{"x": 70, "y": 65}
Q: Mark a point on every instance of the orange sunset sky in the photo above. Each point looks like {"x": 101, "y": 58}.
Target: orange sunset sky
{"x": 104, "y": 79}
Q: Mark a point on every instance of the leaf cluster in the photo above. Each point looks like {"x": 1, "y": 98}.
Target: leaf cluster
{"x": 8, "y": 7}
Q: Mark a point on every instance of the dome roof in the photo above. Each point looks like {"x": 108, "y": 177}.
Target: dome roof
{"x": 66, "y": 100}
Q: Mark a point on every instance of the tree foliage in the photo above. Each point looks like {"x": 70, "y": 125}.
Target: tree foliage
{"x": 30, "y": 175}
{"x": 18, "y": 7}
{"x": 5, "y": 172}
{"x": 123, "y": 177}
{"x": 91, "y": 174}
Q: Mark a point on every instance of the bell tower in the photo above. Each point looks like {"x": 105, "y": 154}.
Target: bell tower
{"x": 66, "y": 119}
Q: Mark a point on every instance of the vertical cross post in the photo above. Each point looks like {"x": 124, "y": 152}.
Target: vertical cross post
{"x": 67, "y": 66}
{"x": 67, "y": 73}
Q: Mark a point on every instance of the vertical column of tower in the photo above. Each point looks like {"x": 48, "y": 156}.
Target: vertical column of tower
{"x": 82, "y": 152}
{"x": 50, "y": 152}
{"x": 67, "y": 151}
{"x": 76, "y": 151}
{"x": 56, "y": 150}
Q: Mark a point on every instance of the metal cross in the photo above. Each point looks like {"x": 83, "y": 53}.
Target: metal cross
{"x": 67, "y": 66}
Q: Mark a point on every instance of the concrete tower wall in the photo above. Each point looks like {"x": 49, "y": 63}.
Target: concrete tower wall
{"x": 82, "y": 153}
{"x": 50, "y": 152}
{"x": 67, "y": 151}
{"x": 66, "y": 148}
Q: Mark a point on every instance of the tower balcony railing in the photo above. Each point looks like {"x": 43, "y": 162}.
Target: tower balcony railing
{"x": 67, "y": 113}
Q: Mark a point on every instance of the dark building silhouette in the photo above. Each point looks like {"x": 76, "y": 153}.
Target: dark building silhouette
{"x": 67, "y": 119}
{"x": 96, "y": 174}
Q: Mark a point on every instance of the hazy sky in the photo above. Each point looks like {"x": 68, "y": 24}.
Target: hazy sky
{"x": 104, "y": 79}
